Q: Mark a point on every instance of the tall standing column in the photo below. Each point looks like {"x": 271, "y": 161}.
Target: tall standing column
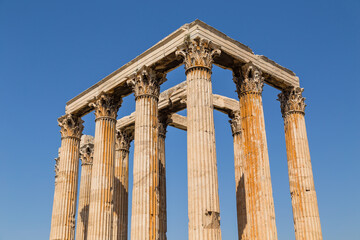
{"x": 239, "y": 173}
{"x": 302, "y": 189}
{"x": 121, "y": 185}
{"x": 102, "y": 178}
{"x": 86, "y": 155}
{"x": 64, "y": 208}
{"x": 203, "y": 197}
{"x": 163, "y": 122}
{"x": 260, "y": 213}
{"x": 145, "y": 208}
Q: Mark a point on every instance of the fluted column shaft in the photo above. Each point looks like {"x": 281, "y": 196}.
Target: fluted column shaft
{"x": 64, "y": 207}
{"x": 86, "y": 154}
{"x": 145, "y": 208}
{"x": 239, "y": 174}
{"x": 121, "y": 185}
{"x": 303, "y": 196}
{"x": 203, "y": 197}
{"x": 102, "y": 179}
{"x": 163, "y": 121}
{"x": 260, "y": 213}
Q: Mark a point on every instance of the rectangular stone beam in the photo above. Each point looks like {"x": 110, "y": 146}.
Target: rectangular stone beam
{"x": 173, "y": 100}
{"x": 162, "y": 57}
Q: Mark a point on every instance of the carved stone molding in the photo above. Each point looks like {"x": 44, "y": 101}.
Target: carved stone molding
{"x": 248, "y": 79}
{"x": 198, "y": 53}
{"x": 164, "y": 120}
{"x": 106, "y": 105}
{"x": 146, "y": 82}
{"x": 292, "y": 101}
{"x": 87, "y": 150}
{"x": 123, "y": 139}
{"x": 235, "y": 122}
{"x": 71, "y": 126}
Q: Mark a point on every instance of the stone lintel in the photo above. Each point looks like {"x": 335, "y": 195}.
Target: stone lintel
{"x": 162, "y": 57}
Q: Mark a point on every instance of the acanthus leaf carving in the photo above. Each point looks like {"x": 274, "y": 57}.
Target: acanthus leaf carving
{"x": 106, "y": 105}
{"x": 235, "y": 122}
{"x": 248, "y": 79}
{"x": 146, "y": 82}
{"x": 198, "y": 53}
{"x": 292, "y": 101}
{"x": 71, "y": 126}
{"x": 87, "y": 149}
{"x": 123, "y": 139}
{"x": 164, "y": 120}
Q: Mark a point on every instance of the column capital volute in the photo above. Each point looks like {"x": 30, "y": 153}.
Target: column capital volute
{"x": 164, "y": 120}
{"x": 123, "y": 139}
{"x": 71, "y": 126}
{"x": 87, "y": 149}
{"x": 198, "y": 53}
{"x": 146, "y": 82}
{"x": 248, "y": 79}
{"x": 235, "y": 122}
{"x": 106, "y": 105}
{"x": 292, "y": 101}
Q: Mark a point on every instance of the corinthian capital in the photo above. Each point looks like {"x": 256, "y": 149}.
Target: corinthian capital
{"x": 86, "y": 149}
{"x": 292, "y": 101}
{"x": 106, "y": 105}
{"x": 164, "y": 120}
{"x": 248, "y": 79}
{"x": 146, "y": 82}
{"x": 71, "y": 126}
{"x": 123, "y": 139}
{"x": 198, "y": 53}
{"x": 235, "y": 122}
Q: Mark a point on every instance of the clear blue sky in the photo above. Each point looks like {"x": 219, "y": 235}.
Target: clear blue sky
{"x": 50, "y": 51}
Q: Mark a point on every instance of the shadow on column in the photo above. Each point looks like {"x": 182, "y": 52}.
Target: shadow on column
{"x": 241, "y": 206}
{"x": 121, "y": 200}
{"x": 84, "y": 214}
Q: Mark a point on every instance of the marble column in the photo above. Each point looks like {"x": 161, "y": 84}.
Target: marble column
{"x": 163, "y": 122}
{"x": 239, "y": 163}
{"x": 260, "y": 213}
{"x": 121, "y": 185}
{"x": 86, "y": 156}
{"x": 145, "y": 209}
{"x": 203, "y": 197}
{"x": 64, "y": 207}
{"x": 302, "y": 189}
{"x": 102, "y": 178}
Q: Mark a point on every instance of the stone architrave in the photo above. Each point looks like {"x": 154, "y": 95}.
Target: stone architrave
{"x": 260, "y": 214}
{"x": 102, "y": 178}
{"x": 121, "y": 185}
{"x": 64, "y": 207}
{"x": 303, "y": 196}
{"x": 145, "y": 209}
{"x": 203, "y": 198}
{"x": 86, "y": 156}
{"x": 163, "y": 123}
{"x": 235, "y": 123}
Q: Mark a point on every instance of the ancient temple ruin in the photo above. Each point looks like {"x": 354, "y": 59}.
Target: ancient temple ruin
{"x": 102, "y": 212}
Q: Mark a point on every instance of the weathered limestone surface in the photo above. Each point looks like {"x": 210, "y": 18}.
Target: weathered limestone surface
{"x": 121, "y": 185}
{"x": 163, "y": 56}
{"x": 239, "y": 173}
{"x": 163, "y": 122}
{"x": 145, "y": 208}
{"x": 66, "y": 181}
{"x": 102, "y": 179}
{"x": 302, "y": 189}
{"x": 260, "y": 213}
{"x": 86, "y": 156}
{"x": 204, "y": 209}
